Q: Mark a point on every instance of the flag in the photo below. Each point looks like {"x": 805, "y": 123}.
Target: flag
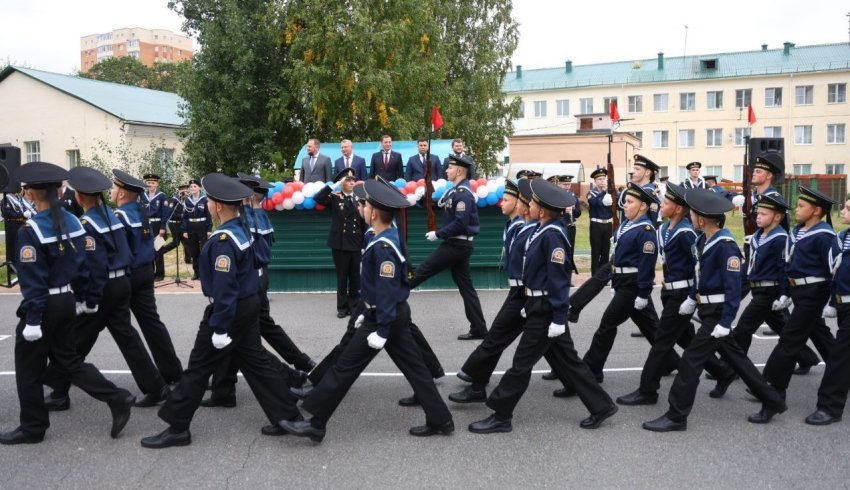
{"x": 751, "y": 116}
{"x": 436, "y": 119}
{"x": 615, "y": 116}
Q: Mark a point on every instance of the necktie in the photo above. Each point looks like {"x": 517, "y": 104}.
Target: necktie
{"x": 386, "y": 159}
{"x": 347, "y": 164}
{"x": 312, "y": 163}
{"x": 422, "y": 159}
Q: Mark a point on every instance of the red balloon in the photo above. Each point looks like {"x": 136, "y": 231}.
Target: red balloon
{"x": 287, "y": 192}
{"x": 410, "y": 186}
{"x": 268, "y": 205}
{"x": 298, "y": 185}
{"x": 482, "y": 181}
{"x": 278, "y": 198}
{"x": 320, "y": 207}
{"x": 420, "y": 182}
{"x": 474, "y": 185}
{"x": 499, "y": 203}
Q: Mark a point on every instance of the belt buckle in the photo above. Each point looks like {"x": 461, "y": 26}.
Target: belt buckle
{"x": 792, "y": 281}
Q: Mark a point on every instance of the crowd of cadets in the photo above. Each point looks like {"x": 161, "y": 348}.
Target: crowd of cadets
{"x": 99, "y": 266}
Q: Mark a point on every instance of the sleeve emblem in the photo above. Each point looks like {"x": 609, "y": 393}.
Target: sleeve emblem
{"x": 461, "y": 207}
{"x": 28, "y": 253}
{"x": 222, "y": 263}
{"x": 90, "y": 243}
{"x": 558, "y": 255}
{"x": 648, "y": 247}
{"x": 733, "y": 264}
{"x": 387, "y": 269}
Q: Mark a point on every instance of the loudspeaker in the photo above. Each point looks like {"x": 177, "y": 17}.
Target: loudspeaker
{"x": 764, "y": 145}
{"x": 10, "y": 158}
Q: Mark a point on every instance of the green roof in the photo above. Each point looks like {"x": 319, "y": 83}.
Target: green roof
{"x": 801, "y": 59}
{"x": 126, "y": 102}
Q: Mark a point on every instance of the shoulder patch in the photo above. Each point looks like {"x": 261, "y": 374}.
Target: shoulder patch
{"x": 222, "y": 263}
{"x": 27, "y": 253}
{"x": 461, "y": 207}
{"x": 83, "y": 221}
{"x": 733, "y": 264}
{"x": 90, "y": 243}
{"x": 558, "y": 256}
{"x": 222, "y": 237}
{"x": 648, "y": 247}
{"x": 460, "y": 189}
{"x": 647, "y": 227}
{"x": 388, "y": 269}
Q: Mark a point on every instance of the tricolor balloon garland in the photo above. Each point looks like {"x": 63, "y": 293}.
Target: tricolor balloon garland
{"x": 298, "y": 195}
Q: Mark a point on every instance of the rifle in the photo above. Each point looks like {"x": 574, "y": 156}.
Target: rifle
{"x": 612, "y": 189}
{"x": 429, "y": 190}
{"x": 747, "y": 208}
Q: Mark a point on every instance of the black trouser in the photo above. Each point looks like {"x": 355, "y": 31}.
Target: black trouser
{"x": 57, "y": 344}
{"x": 760, "y": 309}
{"x": 269, "y": 385}
{"x": 620, "y": 309}
{"x": 12, "y": 227}
{"x": 701, "y": 349}
{"x": 805, "y": 323}
{"x": 571, "y": 236}
{"x": 832, "y": 394}
{"x": 195, "y": 242}
{"x": 563, "y": 359}
{"x": 329, "y": 393}
{"x": 159, "y": 257}
{"x": 143, "y": 306}
{"x": 506, "y": 327}
{"x": 113, "y": 313}
{"x": 585, "y": 293}
{"x": 347, "y": 264}
{"x": 600, "y": 245}
{"x": 176, "y": 239}
{"x": 455, "y": 253}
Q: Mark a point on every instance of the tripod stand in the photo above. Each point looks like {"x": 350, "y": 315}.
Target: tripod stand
{"x": 178, "y": 237}
{"x": 10, "y": 270}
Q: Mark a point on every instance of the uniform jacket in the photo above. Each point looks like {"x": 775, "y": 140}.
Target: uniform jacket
{"x": 196, "y": 209}
{"x": 107, "y": 250}
{"x": 460, "y": 212}
{"x": 718, "y": 271}
{"x": 636, "y": 245}
{"x": 138, "y": 233}
{"x": 383, "y": 278}
{"x": 547, "y": 267}
{"x": 347, "y": 226}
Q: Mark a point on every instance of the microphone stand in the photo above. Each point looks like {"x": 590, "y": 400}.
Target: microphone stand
{"x": 177, "y": 279}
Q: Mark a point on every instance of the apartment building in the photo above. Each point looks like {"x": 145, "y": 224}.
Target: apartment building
{"x": 150, "y": 46}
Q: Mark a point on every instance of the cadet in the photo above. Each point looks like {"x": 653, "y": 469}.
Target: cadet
{"x": 196, "y": 224}
{"x": 175, "y": 218}
{"x": 50, "y": 259}
{"x": 717, "y": 291}
{"x": 125, "y": 194}
{"x": 570, "y": 215}
{"x": 229, "y": 326}
{"x": 461, "y": 226}
{"x": 154, "y": 202}
{"x": 386, "y": 323}
{"x": 599, "y": 207}
{"x": 694, "y": 181}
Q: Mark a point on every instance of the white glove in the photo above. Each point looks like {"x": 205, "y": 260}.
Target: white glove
{"x": 359, "y": 321}
{"x": 81, "y": 306}
{"x": 607, "y": 200}
{"x": 221, "y": 340}
{"x": 32, "y": 332}
{"x": 556, "y": 330}
{"x": 27, "y": 214}
{"x": 640, "y": 303}
{"x": 431, "y": 236}
{"x": 376, "y": 341}
{"x": 687, "y": 307}
{"x": 739, "y": 201}
{"x": 829, "y": 312}
{"x": 522, "y": 313}
{"x": 781, "y": 303}
{"x": 720, "y": 331}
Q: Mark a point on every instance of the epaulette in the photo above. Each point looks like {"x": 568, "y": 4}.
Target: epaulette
{"x": 83, "y": 220}
{"x": 27, "y": 225}
{"x": 385, "y": 245}
{"x": 460, "y": 189}
{"x": 222, "y": 237}
{"x": 647, "y": 227}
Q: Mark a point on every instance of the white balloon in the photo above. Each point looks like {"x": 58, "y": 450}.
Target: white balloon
{"x": 491, "y": 186}
{"x": 297, "y": 197}
{"x": 439, "y": 184}
{"x": 279, "y": 207}
{"x": 482, "y": 191}
{"x": 420, "y": 191}
{"x": 288, "y": 204}
{"x": 309, "y": 190}
{"x": 500, "y": 181}
{"x": 738, "y": 200}
{"x": 411, "y": 198}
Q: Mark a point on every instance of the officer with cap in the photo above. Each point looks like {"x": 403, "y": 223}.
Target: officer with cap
{"x": 460, "y": 228}
{"x": 196, "y": 224}
{"x": 174, "y": 216}
{"x": 104, "y": 299}
{"x": 229, "y": 326}
{"x": 154, "y": 202}
{"x": 386, "y": 324}
{"x": 125, "y": 194}
{"x": 50, "y": 260}
{"x": 528, "y": 174}
{"x": 694, "y": 181}
{"x": 717, "y": 293}
{"x": 599, "y": 202}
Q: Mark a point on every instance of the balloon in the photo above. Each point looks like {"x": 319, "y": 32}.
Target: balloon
{"x": 492, "y": 199}
{"x": 298, "y": 197}
{"x": 500, "y": 191}
{"x": 482, "y": 181}
{"x": 319, "y": 207}
{"x": 411, "y": 198}
{"x": 420, "y": 191}
{"x": 410, "y": 186}
{"x": 309, "y": 190}
{"x": 288, "y": 190}
{"x": 420, "y": 182}
{"x": 268, "y": 205}
{"x": 491, "y": 186}
{"x": 277, "y": 187}
{"x": 298, "y": 185}
{"x": 438, "y": 194}
{"x": 481, "y": 202}
{"x": 299, "y": 206}
{"x": 279, "y": 207}
{"x": 482, "y": 191}
{"x": 399, "y": 182}
{"x": 440, "y": 183}
{"x": 309, "y": 203}
{"x": 473, "y": 185}
{"x": 277, "y": 198}
{"x": 288, "y": 204}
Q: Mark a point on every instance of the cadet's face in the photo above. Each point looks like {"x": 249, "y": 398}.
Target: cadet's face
{"x": 451, "y": 172}
{"x": 214, "y": 209}
{"x": 845, "y": 213}
{"x": 668, "y": 208}
{"x": 804, "y": 211}
{"x": 509, "y": 203}
{"x": 564, "y": 185}
{"x": 423, "y": 147}
{"x": 760, "y": 176}
{"x": 534, "y": 209}
{"x": 601, "y": 182}
{"x": 766, "y": 217}
{"x": 194, "y": 189}
{"x": 696, "y": 221}
{"x": 367, "y": 213}
{"x": 152, "y": 185}
{"x": 347, "y": 185}
{"x": 694, "y": 172}
{"x": 638, "y": 173}
{"x": 632, "y": 207}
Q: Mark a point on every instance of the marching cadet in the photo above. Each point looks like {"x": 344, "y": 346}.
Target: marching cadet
{"x": 125, "y": 194}
{"x": 546, "y": 279}
{"x": 694, "y": 181}
{"x": 599, "y": 202}
{"x": 570, "y": 215}
{"x": 174, "y": 216}
{"x": 154, "y": 202}
{"x": 717, "y": 293}
{"x": 832, "y": 394}
{"x": 196, "y": 224}
{"x": 229, "y": 325}
{"x": 104, "y": 299}
{"x": 50, "y": 259}
{"x": 813, "y": 251}
{"x": 461, "y": 226}
{"x": 386, "y": 324}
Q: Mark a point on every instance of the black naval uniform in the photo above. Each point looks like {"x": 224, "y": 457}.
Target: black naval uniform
{"x": 196, "y": 223}
{"x": 174, "y": 216}
{"x": 158, "y": 213}
{"x": 569, "y": 218}
{"x": 600, "y": 229}
{"x": 69, "y": 202}
{"x": 16, "y": 211}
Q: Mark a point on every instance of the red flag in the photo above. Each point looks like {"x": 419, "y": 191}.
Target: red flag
{"x": 751, "y": 116}
{"x": 615, "y": 115}
{"x": 436, "y": 119}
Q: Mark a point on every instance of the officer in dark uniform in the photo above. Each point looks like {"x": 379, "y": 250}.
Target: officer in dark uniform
{"x": 154, "y": 202}
{"x": 104, "y": 300}
{"x": 460, "y": 228}
{"x": 528, "y": 174}
{"x": 570, "y": 214}
{"x": 345, "y": 239}
{"x": 50, "y": 260}
{"x": 196, "y": 224}
{"x": 599, "y": 208}
{"x": 386, "y": 323}
{"x": 694, "y": 181}
{"x": 174, "y": 216}
{"x": 546, "y": 279}
{"x": 717, "y": 291}
{"x": 125, "y": 193}
{"x": 229, "y": 326}
{"x": 16, "y": 211}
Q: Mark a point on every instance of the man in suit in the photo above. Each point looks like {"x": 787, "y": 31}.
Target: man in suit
{"x": 416, "y": 164}
{"x": 350, "y": 160}
{"x": 457, "y": 151}
{"x": 315, "y": 167}
{"x": 386, "y": 163}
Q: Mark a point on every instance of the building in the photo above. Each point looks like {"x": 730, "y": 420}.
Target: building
{"x": 695, "y": 108}
{"x": 61, "y": 119}
{"x": 150, "y": 46}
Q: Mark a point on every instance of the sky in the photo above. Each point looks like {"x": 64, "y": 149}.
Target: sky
{"x": 45, "y": 34}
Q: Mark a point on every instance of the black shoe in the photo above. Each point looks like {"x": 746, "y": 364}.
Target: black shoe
{"x": 57, "y": 404}
{"x": 152, "y": 399}
{"x": 301, "y": 393}
{"x": 721, "y": 386}
{"x": 595, "y": 420}
{"x": 572, "y": 317}
{"x": 410, "y": 401}
{"x": 439, "y": 374}
{"x": 637, "y": 398}
{"x": 490, "y": 425}
{"x": 168, "y": 438}
{"x": 212, "y": 402}
{"x": 766, "y": 414}
{"x": 425, "y": 430}
{"x": 469, "y": 395}
{"x": 305, "y": 365}
{"x": 18, "y": 436}
{"x": 302, "y": 428}
{"x": 297, "y": 378}
{"x": 273, "y": 430}
{"x": 637, "y": 334}
{"x": 821, "y": 418}
{"x": 158, "y": 278}
{"x": 341, "y": 314}
{"x": 550, "y": 376}
{"x": 663, "y": 424}
{"x": 121, "y": 415}
{"x": 471, "y": 336}
{"x": 769, "y": 332}
{"x": 564, "y": 392}
{"x": 464, "y": 377}
{"x": 803, "y": 369}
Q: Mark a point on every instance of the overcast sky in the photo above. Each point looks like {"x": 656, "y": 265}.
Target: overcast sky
{"x": 45, "y": 34}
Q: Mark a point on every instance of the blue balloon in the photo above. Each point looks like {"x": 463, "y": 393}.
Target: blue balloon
{"x": 309, "y": 203}
{"x": 449, "y": 184}
{"x": 278, "y": 186}
{"x": 438, "y": 193}
{"x": 329, "y": 183}
{"x": 300, "y": 206}
{"x": 400, "y": 183}
{"x": 500, "y": 191}
{"x": 482, "y": 202}
{"x": 492, "y": 198}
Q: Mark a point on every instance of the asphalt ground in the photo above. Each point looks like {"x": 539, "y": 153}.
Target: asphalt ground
{"x": 367, "y": 444}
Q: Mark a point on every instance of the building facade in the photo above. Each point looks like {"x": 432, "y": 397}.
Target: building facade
{"x": 150, "y": 46}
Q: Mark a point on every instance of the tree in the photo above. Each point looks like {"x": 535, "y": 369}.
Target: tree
{"x": 125, "y": 70}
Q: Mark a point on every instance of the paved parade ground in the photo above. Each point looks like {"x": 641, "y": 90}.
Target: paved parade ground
{"x": 367, "y": 444}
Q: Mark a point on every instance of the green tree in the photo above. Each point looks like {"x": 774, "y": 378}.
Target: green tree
{"x": 168, "y": 77}
{"x": 125, "y": 70}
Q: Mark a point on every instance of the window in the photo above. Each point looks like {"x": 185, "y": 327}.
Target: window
{"x": 739, "y": 173}
{"x": 709, "y": 64}
{"x": 636, "y": 103}
{"x": 606, "y": 104}
{"x": 835, "y": 134}
{"x": 743, "y": 98}
{"x": 773, "y": 131}
{"x": 773, "y": 97}
{"x": 562, "y": 107}
{"x": 659, "y": 102}
{"x": 686, "y": 138}
{"x": 165, "y": 157}
{"x": 539, "y": 108}
{"x": 714, "y": 100}
{"x": 714, "y": 137}
{"x": 802, "y": 168}
{"x": 835, "y": 168}
{"x": 156, "y": 49}
{"x": 639, "y": 136}
{"x": 802, "y": 135}
{"x": 803, "y": 94}
{"x": 521, "y": 113}
{"x": 586, "y": 106}
{"x": 713, "y": 170}
{"x": 687, "y": 101}
{"x": 836, "y": 93}
{"x": 33, "y": 151}
{"x": 73, "y": 158}
{"x": 660, "y": 139}
{"x": 740, "y": 134}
